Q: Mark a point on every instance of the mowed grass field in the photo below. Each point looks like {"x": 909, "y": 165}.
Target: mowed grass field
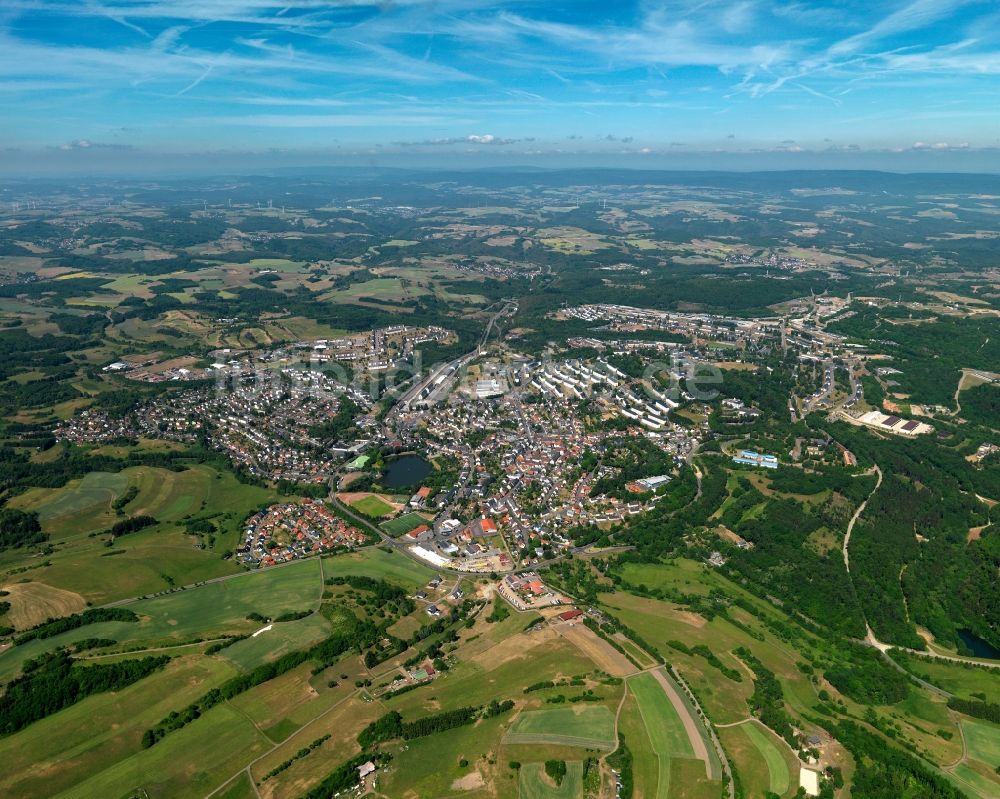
{"x": 589, "y": 726}
{"x": 983, "y": 741}
{"x": 535, "y": 784}
{"x": 774, "y": 759}
{"x": 663, "y": 726}
{"x": 372, "y": 506}
{"x": 403, "y": 524}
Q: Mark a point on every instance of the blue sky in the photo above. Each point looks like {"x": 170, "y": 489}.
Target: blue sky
{"x": 717, "y": 82}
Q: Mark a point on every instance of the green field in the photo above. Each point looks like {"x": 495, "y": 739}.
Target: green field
{"x": 223, "y": 739}
{"x": 983, "y": 741}
{"x": 377, "y": 563}
{"x": 58, "y": 753}
{"x": 588, "y": 726}
{"x": 148, "y": 561}
{"x": 534, "y": 784}
{"x": 429, "y": 766}
{"x": 403, "y": 524}
{"x": 79, "y": 507}
{"x": 777, "y": 768}
{"x": 372, "y": 506}
{"x": 666, "y": 732}
{"x": 205, "y": 611}
{"x": 282, "y": 638}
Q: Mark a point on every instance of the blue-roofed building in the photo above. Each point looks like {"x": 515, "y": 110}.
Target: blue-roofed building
{"x": 750, "y": 458}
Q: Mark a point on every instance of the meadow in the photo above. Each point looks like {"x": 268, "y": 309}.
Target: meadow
{"x": 146, "y": 562}
{"x": 667, "y": 735}
{"x": 585, "y": 725}
{"x": 202, "y": 612}
{"x": 534, "y": 783}
{"x": 378, "y": 563}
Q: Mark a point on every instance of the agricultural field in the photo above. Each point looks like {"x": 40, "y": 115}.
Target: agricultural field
{"x": 203, "y": 612}
{"x": 760, "y": 758}
{"x": 978, "y": 768}
{"x": 98, "y": 735}
{"x": 85, "y": 565}
{"x": 676, "y": 742}
{"x": 376, "y": 562}
{"x": 584, "y": 725}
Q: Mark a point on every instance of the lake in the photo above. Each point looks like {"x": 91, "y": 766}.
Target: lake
{"x": 406, "y": 471}
{"x": 979, "y": 647}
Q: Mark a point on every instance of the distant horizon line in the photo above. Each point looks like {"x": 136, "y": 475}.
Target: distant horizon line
{"x": 168, "y": 175}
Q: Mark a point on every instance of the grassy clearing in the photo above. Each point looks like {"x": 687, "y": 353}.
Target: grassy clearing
{"x": 588, "y": 726}
{"x": 535, "y": 784}
{"x": 403, "y": 524}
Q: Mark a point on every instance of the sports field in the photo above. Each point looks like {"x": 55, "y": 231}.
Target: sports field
{"x": 535, "y": 784}
{"x": 403, "y": 524}
{"x": 372, "y": 506}
{"x": 588, "y": 726}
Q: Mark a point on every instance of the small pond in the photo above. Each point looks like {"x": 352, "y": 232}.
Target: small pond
{"x": 979, "y": 647}
{"x": 406, "y": 471}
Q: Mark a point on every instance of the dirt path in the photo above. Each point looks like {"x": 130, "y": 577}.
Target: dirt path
{"x": 855, "y": 517}
{"x": 690, "y": 724}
